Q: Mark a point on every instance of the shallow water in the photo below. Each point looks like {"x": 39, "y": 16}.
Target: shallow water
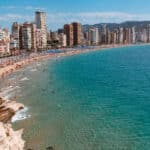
{"x": 93, "y": 101}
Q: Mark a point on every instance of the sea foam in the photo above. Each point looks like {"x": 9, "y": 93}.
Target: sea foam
{"x": 20, "y": 115}
{"x": 9, "y": 92}
{"x": 33, "y": 70}
{"x": 24, "y": 79}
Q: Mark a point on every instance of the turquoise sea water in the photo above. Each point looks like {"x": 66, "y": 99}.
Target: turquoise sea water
{"x": 93, "y": 101}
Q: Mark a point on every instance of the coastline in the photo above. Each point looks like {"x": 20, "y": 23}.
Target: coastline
{"x": 5, "y": 126}
{"x": 8, "y": 69}
{"x": 8, "y": 108}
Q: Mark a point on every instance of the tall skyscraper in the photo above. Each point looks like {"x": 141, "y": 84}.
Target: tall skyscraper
{"x": 40, "y": 20}
{"x": 77, "y": 29}
{"x": 68, "y": 30}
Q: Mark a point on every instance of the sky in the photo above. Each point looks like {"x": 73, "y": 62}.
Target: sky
{"x": 59, "y": 12}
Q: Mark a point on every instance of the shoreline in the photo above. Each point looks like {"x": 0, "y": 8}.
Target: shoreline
{"x": 8, "y": 108}
{"x": 8, "y": 69}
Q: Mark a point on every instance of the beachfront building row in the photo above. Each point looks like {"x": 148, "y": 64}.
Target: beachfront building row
{"x": 69, "y": 36}
{"x": 30, "y": 36}
{"x": 94, "y": 36}
{"x": 120, "y": 35}
{"x": 33, "y": 36}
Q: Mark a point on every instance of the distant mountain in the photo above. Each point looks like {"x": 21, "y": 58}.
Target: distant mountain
{"x": 112, "y": 26}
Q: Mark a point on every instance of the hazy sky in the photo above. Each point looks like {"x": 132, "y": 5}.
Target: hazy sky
{"x": 60, "y": 12}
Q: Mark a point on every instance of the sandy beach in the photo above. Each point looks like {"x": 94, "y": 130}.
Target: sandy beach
{"x": 12, "y": 67}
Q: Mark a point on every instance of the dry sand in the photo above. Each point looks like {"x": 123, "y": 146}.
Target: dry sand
{"x": 11, "y": 68}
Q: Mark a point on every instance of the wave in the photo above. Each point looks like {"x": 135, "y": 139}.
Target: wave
{"x": 20, "y": 115}
{"x": 38, "y": 64}
{"x": 24, "y": 79}
{"x": 13, "y": 78}
{"x": 33, "y": 70}
{"x": 9, "y": 92}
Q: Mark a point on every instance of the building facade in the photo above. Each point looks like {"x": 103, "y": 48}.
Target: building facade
{"x": 16, "y": 34}
{"x": 40, "y": 21}
{"x": 4, "y": 42}
{"x": 77, "y": 30}
{"x": 26, "y": 36}
{"x": 94, "y": 36}
{"x": 68, "y": 30}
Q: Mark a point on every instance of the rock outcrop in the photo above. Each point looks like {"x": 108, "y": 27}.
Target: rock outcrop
{"x": 9, "y": 139}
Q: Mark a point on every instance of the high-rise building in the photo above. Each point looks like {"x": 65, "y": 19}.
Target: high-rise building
{"x": 13, "y": 44}
{"x": 104, "y": 34}
{"x": 39, "y": 40}
{"x": 94, "y": 36}
{"x": 133, "y": 35}
{"x": 26, "y": 36}
{"x": 4, "y": 41}
{"x": 33, "y": 36}
{"x": 126, "y": 35}
{"x": 68, "y": 30}
{"x": 117, "y": 36}
{"x": 63, "y": 40}
{"x": 120, "y": 35}
{"x": 49, "y": 36}
{"x": 148, "y": 33}
{"x": 86, "y": 38}
{"x": 108, "y": 37}
{"x": 144, "y": 36}
{"x": 113, "y": 37}
{"x": 54, "y": 36}
{"x": 40, "y": 20}
{"x": 77, "y": 29}
{"x": 16, "y": 34}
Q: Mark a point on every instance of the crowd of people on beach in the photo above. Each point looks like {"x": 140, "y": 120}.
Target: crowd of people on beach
{"x": 12, "y": 63}
{"x": 29, "y": 55}
{"x": 14, "y": 59}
